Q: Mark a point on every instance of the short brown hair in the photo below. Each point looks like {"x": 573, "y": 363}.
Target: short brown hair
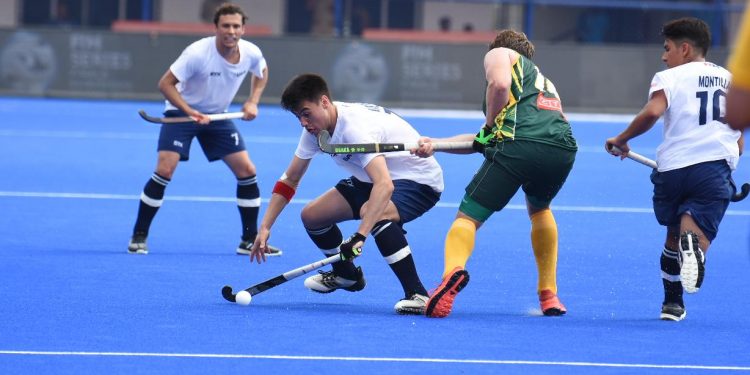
{"x": 691, "y": 30}
{"x": 514, "y": 40}
{"x": 228, "y": 8}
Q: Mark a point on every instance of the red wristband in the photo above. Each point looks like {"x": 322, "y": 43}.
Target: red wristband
{"x": 284, "y": 190}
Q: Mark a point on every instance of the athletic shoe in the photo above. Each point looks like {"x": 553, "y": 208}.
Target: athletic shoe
{"x": 327, "y": 282}
{"x": 551, "y": 305}
{"x": 137, "y": 244}
{"x": 692, "y": 260}
{"x": 246, "y": 247}
{"x": 673, "y": 312}
{"x": 441, "y": 300}
{"x": 414, "y": 305}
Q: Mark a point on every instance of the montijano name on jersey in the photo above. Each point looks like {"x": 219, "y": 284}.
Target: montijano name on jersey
{"x": 712, "y": 81}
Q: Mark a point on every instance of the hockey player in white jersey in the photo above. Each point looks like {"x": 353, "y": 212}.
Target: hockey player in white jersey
{"x": 692, "y": 183}
{"x": 384, "y": 190}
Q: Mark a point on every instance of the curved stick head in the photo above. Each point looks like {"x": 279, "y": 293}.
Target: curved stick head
{"x": 324, "y": 141}
{"x": 744, "y": 191}
{"x": 226, "y": 292}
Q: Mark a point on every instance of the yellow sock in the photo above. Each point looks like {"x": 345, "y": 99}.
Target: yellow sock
{"x": 459, "y": 244}
{"x": 544, "y": 242}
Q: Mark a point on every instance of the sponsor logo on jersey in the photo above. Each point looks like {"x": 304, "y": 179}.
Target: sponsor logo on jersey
{"x": 552, "y": 104}
{"x": 215, "y": 74}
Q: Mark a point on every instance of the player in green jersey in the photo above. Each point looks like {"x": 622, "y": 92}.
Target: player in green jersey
{"x": 527, "y": 143}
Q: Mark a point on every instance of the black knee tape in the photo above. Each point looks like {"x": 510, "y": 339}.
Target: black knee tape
{"x": 669, "y": 262}
{"x": 247, "y": 188}
{"x": 155, "y": 186}
{"x": 327, "y": 238}
{"x": 389, "y": 237}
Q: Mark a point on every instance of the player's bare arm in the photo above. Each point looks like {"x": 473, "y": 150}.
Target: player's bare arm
{"x": 168, "y": 88}
{"x": 380, "y": 196}
{"x": 643, "y": 121}
{"x": 741, "y": 143}
{"x": 738, "y": 112}
{"x": 257, "y": 85}
{"x": 283, "y": 191}
{"x": 497, "y": 68}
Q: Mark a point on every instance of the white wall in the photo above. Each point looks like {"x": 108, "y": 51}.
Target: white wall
{"x": 259, "y": 12}
{"x": 8, "y": 13}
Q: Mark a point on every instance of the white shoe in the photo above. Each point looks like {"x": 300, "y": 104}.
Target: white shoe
{"x": 327, "y": 282}
{"x": 137, "y": 244}
{"x": 673, "y": 312}
{"x": 692, "y": 268}
{"x": 414, "y": 305}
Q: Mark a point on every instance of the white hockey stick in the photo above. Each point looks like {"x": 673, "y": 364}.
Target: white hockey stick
{"x": 744, "y": 189}
{"x": 636, "y": 157}
{"x": 230, "y": 296}
{"x": 174, "y": 120}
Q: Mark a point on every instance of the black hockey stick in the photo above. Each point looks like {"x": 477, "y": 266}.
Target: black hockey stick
{"x": 324, "y": 139}
{"x": 175, "y": 120}
{"x": 742, "y": 194}
{"x": 230, "y": 296}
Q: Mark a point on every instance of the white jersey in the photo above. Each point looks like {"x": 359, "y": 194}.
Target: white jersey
{"x": 208, "y": 82}
{"x": 368, "y": 123}
{"x": 694, "y": 127}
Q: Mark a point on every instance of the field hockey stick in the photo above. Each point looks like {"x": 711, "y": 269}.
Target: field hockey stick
{"x": 632, "y": 155}
{"x": 230, "y": 296}
{"x": 324, "y": 139}
{"x": 742, "y": 194}
{"x": 174, "y": 120}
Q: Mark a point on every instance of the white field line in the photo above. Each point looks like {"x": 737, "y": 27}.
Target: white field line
{"x": 122, "y": 135}
{"x": 189, "y": 198}
{"x": 371, "y": 359}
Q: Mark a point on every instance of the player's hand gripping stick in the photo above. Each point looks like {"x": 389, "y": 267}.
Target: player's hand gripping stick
{"x": 348, "y": 250}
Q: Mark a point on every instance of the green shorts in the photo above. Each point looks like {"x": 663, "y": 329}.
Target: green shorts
{"x": 539, "y": 169}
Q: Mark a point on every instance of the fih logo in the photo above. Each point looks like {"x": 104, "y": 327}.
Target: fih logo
{"x": 27, "y": 63}
{"x": 360, "y": 73}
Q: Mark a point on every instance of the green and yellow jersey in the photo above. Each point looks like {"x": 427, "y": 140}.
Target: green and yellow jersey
{"x": 533, "y": 113}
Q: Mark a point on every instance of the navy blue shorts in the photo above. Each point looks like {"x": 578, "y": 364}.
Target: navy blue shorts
{"x": 217, "y": 139}
{"x": 412, "y": 199}
{"x": 703, "y": 190}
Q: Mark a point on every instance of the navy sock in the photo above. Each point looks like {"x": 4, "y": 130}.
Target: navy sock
{"x": 670, "y": 277}
{"x": 151, "y": 199}
{"x": 248, "y": 202}
{"x": 395, "y": 250}
{"x": 328, "y": 240}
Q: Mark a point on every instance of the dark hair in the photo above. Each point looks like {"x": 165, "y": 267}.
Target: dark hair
{"x": 310, "y": 87}
{"x": 691, "y": 30}
{"x": 514, "y": 40}
{"x": 228, "y": 8}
